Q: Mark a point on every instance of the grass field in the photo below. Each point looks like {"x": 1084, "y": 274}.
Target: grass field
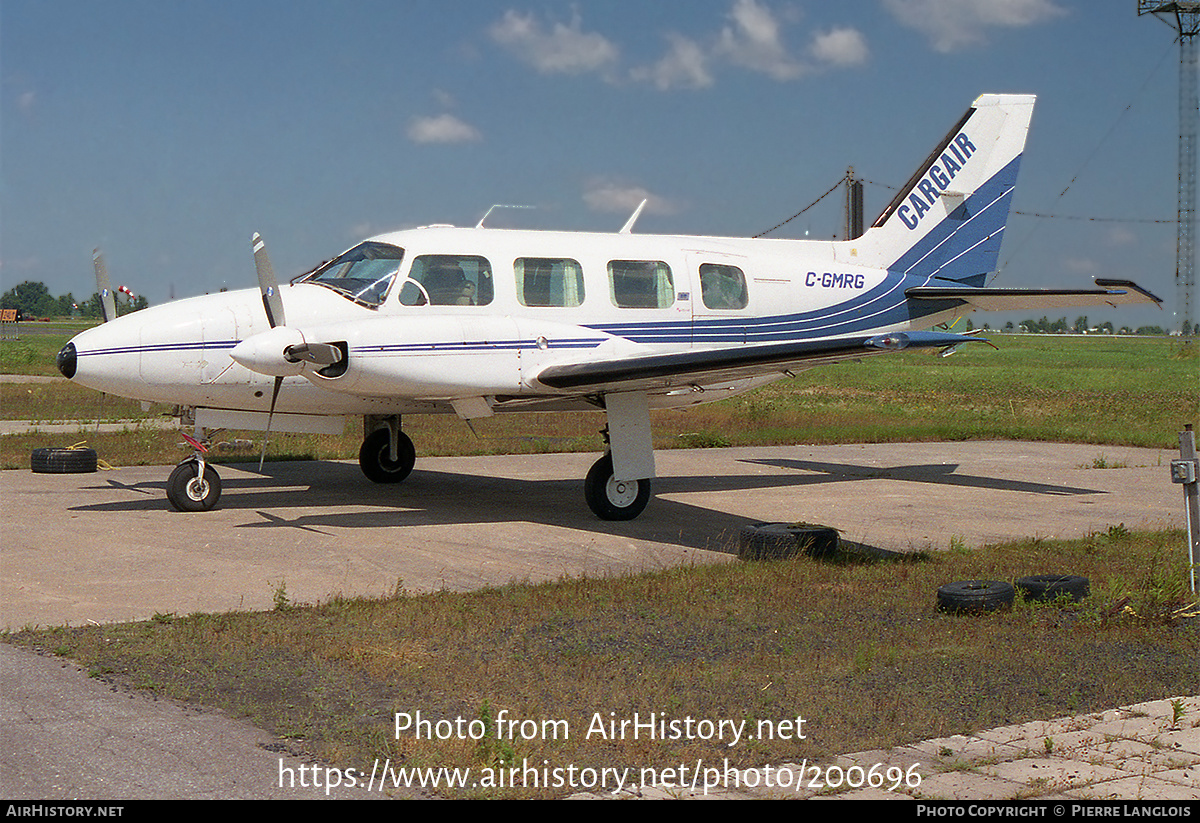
{"x": 1104, "y": 390}
{"x": 856, "y": 647}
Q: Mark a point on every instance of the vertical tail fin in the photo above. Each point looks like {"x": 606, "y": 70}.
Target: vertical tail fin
{"x": 949, "y": 219}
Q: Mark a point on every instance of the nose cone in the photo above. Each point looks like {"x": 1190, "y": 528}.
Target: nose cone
{"x": 67, "y": 360}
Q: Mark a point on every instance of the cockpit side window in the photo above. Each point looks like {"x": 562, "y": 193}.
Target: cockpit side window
{"x": 364, "y": 274}
{"x": 448, "y": 280}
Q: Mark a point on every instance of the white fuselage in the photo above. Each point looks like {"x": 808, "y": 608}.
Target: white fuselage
{"x": 413, "y": 351}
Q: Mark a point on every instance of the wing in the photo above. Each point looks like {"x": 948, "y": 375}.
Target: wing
{"x": 1110, "y": 293}
{"x": 705, "y": 366}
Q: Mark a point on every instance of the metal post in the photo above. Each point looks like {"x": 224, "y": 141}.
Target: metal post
{"x": 1185, "y": 471}
{"x": 854, "y": 206}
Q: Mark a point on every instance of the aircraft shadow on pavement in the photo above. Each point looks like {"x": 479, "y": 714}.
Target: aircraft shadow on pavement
{"x": 338, "y": 493}
{"x": 943, "y": 474}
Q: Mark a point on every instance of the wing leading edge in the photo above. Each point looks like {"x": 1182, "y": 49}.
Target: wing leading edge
{"x": 705, "y": 366}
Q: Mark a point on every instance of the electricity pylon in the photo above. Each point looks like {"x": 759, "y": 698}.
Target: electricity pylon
{"x": 1184, "y": 17}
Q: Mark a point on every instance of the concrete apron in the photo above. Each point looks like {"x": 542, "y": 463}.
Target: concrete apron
{"x": 108, "y": 547}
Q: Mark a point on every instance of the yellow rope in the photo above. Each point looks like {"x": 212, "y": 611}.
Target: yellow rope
{"x": 100, "y": 464}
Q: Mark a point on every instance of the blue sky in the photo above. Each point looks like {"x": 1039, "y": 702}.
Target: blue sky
{"x": 167, "y": 132}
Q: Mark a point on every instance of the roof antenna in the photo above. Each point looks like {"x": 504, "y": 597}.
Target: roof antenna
{"x": 479, "y": 225}
{"x": 628, "y": 227}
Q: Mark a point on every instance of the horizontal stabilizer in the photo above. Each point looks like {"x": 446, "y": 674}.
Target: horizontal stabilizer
{"x": 1110, "y": 293}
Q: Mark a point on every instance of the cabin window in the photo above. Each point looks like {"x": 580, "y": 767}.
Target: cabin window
{"x": 640, "y": 284}
{"x": 364, "y": 274}
{"x": 723, "y": 287}
{"x": 548, "y": 281}
{"x": 448, "y": 280}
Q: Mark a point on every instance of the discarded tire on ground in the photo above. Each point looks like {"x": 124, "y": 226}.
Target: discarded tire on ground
{"x": 62, "y": 461}
{"x": 774, "y": 541}
{"x": 975, "y": 596}
{"x": 1043, "y": 587}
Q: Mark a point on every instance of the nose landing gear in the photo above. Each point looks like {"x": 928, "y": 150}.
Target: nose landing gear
{"x": 194, "y": 486}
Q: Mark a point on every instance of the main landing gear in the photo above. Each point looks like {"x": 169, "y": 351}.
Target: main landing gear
{"x": 612, "y": 499}
{"x": 387, "y": 454}
{"x": 377, "y": 462}
{"x": 618, "y": 485}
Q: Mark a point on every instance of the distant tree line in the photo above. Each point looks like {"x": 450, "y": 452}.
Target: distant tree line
{"x": 1081, "y": 326}
{"x": 34, "y": 300}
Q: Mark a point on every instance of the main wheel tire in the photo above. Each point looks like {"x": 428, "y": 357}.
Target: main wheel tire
{"x": 778, "y": 541}
{"x": 63, "y": 461}
{"x": 374, "y": 458}
{"x": 1042, "y": 587}
{"x": 188, "y": 492}
{"x": 612, "y": 499}
{"x": 975, "y": 596}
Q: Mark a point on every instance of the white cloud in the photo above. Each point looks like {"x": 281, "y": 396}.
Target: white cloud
{"x": 751, "y": 38}
{"x": 1081, "y": 265}
{"x": 753, "y": 42}
{"x": 557, "y": 49}
{"x": 685, "y": 65}
{"x": 442, "y": 128}
{"x": 842, "y": 47}
{"x": 1120, "y": 236}
{"x": 610, "y": 196}
{"x": 951, "y": 25}
{"x": 444, "y": 99}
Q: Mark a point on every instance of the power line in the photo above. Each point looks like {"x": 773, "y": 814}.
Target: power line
{"x": 1046, "y": 216}
{"x": 1092, "y": 219}
{"x": 832, "y": 189}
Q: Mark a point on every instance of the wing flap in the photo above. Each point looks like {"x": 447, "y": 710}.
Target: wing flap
{"x": 659, "y": 371}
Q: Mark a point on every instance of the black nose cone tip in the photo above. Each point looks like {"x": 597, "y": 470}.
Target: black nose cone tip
{"x": 66, "y": 360}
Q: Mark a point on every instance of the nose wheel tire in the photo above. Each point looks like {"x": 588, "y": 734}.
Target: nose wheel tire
{"x": 377, "y": 465}
{"x": 612, "y": 499}
{"x": 189, "y": 492}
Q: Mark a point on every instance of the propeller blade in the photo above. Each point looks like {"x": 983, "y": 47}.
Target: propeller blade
{"x": 267, "y": 283}
{"x": 270, "y": 416}
{"x": 108, "y": 304}
{"x": 321, "y": 354}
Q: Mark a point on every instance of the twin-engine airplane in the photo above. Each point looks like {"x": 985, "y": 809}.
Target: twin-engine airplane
{"x": 475, "y": 321}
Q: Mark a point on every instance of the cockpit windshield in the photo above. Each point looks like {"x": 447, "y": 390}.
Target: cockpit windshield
{"x": 364, "y": 274}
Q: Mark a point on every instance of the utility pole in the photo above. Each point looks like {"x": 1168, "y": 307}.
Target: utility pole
{"x": 1184, "y": 17}
{"x": 854, "y": 206}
